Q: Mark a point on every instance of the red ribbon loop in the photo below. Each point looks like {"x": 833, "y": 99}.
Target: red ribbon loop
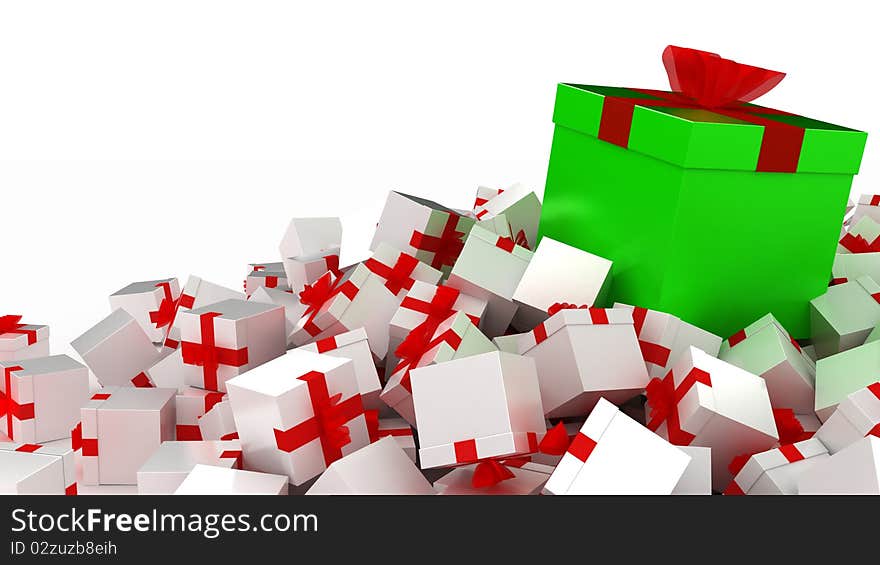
{"x": 489, "y": 473}
{"x": 9, "y": 324}
{"x": 315, "y": 295}
{"x": 712, "y": 81}
{"x": 164, "y": 316}
{"x": 564, "y": 306}
{"x": 555, "y": 441}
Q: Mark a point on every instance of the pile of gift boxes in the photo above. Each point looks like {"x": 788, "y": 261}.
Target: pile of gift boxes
{"x": 465, "y": 356}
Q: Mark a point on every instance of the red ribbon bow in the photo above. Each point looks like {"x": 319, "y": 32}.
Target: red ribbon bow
{"x": 703, "y": 80}
{"x": 663, "y": 397}
{"x": 9, "y": 324}
{"x": 416, "y": 344}
{"x": 858, "y": 244}
{"x": 714, "y": 82}
{"x": 564, "y": 306}
{"x": 167, "y": 311}
{"x": 490, "y": 472}
{"x": 315, "y": 295}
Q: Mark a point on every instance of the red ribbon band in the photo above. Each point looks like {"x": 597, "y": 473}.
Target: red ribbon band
{"x": 208, "y": 356}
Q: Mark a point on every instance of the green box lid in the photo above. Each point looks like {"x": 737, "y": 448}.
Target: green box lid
{"x": 696, "y": 138}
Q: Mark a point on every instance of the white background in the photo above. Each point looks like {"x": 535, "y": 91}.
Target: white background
{"x": 146, "y": 139}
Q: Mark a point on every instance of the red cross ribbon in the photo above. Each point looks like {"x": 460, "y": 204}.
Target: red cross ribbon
{"x": 397, "y": 277}
{"x": 9, "y": 324}
{"x": 703, "y": 80}
{"x": 9, "y": 407}
{"x": 663, "y": 397}
{"x": 328, "y": 424}
{"x": 439, "y": 307}
{"x": 208, "y": 356}
{"x": 446, "y": 247}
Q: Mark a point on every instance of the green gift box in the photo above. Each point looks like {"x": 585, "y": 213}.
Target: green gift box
{"x": 717, "y": 215}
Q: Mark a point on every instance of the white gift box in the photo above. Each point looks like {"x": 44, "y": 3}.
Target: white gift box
{"x": 480, "y": 407}
{"x": 293, "y": 308}
{"x": 508, "y": 343}
{"x": 853, "y": 470}
{"x": 27, "y": 468}
{"x": 809, "y": 422}
{"x": 777, "y": 471}
{"x": 400, "y": 430}
{"x": 455, "y": 337}
{"x": 497, "y": 225}
{"x": 491, "y": 267}
{"x": 196, "y": 293}
{"x": 867, "y": 206}
{"x": 271, "y": 276}
{"x": 843, "y": 317}
{"x": 218, "y": 423}
{"x": 399, "y": 270}
{"x": 664, "y": 337}
{"x": 169, "y": 465}
{"x": 306, "y": 269}
{"x": 120, "y": 428}
{"x": 430, "y": 232}
{"x": 307, "y": 236}
{"x": 842, "y": 374}
{"x": 525, "y": 481}
{"x": 354, "y": 345}
{"x": 191, "y": 405}
{"x": 767, "y": 350}
{"x": 118, "y": 351}
{"x": 484, "y": 195}
{"x": 22, "y": 341}
{"x": 153, "y": 304}
{"x": 521, "y": 208}
{"x": 381, "y": 468}
{"x": 171, "y": 372}
{"x": 227, "y": 338}
{"x": 428, "y": 303}
{"x": 861, "y": 237}
{"x": 559, "y": 273}
{"x": 582, "y": 355}
{"x": 850, "y": 266}
{"x": 42, "y": 397}
{"x": 359, "y": 299}
{"x": 697, "y": 476}
{"x": 297, "y": 414}
{"x": 857, "y": 416}
{"x": 614, "y": 454}
{"x": 706, "y": 402}
{"x": 213, "y": 480}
